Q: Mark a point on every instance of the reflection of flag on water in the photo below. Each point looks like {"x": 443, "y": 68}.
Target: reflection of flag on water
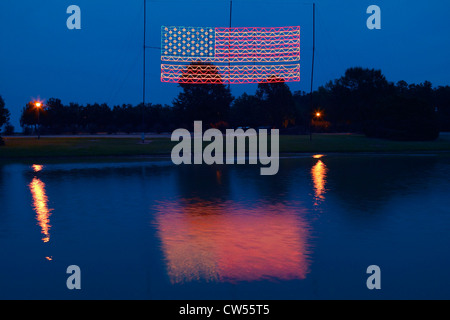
{"x": 240, "y": 55}
{"x": 230, "y": 241}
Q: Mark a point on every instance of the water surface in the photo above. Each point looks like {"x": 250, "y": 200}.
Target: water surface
{"x": 152, "y": 230}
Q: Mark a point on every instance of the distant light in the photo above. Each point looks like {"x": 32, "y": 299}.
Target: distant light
{"x": 38, "y": 104}
{"x": 318, "y": 156}
{"x": 37, "y": 167}
{"x": 318, "y": 114}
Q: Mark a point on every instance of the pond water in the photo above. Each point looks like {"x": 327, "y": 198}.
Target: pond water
{"x": 151, "y": 230}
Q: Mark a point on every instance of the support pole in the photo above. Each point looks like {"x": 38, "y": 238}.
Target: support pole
{"x": 39, "y": 124}
{"x": 143, "y": 81}
{"x": 229, "y": 46}
{"x": 312, "y": 72}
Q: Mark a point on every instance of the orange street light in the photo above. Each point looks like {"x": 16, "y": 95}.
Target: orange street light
{"x": 318, "y": 114}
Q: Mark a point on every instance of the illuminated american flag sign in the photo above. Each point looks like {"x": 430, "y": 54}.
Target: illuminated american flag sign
{"x": 230, "y": 55}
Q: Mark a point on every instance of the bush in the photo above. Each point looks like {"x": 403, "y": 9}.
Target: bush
{"x": 27, "y": 131}
{"x": 9, "y": 129}
{"x": 404, "y": 119}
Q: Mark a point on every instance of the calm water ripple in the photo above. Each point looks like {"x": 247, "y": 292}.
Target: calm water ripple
{"x": 152, "y": 230}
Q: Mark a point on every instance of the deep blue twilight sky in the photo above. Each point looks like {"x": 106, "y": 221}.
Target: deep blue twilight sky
{"x": 41, "y": 58}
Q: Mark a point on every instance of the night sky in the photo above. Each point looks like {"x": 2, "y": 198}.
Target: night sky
{"x": 41, "y": 58}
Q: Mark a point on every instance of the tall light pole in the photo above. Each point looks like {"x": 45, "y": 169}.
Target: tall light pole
{"x": 143, "y": 82}
{"x": 229, "y": 46}
{"x": 312, "y": 70}
{"x": 38, "y": 106}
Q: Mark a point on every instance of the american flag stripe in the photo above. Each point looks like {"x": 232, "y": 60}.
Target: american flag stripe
{"x": 231, "y": 74}
{"x": 261, "y": 59}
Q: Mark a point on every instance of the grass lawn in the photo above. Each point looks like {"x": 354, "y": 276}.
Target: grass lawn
{"x": 20, "y": 148}
{"x": 30, "y": 147}
{"x": 325, "y": 143}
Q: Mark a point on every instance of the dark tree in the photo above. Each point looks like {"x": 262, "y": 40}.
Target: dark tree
{"x": 443, "y": 107}
{"x": 4, "y": 116}
{"x": 9, "y": 129}
{"x": 57, "y": 119}
{"x": 360, "y": 101}
{"x": 404, "y": 118}
{"x": 125, "y": 118}
{"x": 351, "y": 99}
{"x": 4, "y": 113}
{"x": 97, "y": 117}
{"x": 209, "y": 102}
{"x": 29, "y": 117}
{"x": 73, "y": 113}
{"x": 277, "y": 103}
{"x": 409, "y": 113}
{"x": 364, "y": 101}
{"x": 246, "y": 112}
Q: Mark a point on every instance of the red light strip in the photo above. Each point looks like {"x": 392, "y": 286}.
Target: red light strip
{"x": 249, "y": 59}
{"x": 225, "y": 74}
{"x": 241, "y": 31}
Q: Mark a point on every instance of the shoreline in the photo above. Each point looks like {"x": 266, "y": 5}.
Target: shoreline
{"x": 167, "y": 157}
{"x": 18, "y": 149}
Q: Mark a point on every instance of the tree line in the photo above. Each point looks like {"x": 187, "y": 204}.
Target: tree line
{"x": 4, "y": 117}
{"x": 361, "y": 101}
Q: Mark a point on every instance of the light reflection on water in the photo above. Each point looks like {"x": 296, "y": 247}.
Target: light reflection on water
{"x": 230, "y": 242}
{"x": 40, "y": 204}
{"x": 37, "y": 167}
{"x": 319, "y": 176}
